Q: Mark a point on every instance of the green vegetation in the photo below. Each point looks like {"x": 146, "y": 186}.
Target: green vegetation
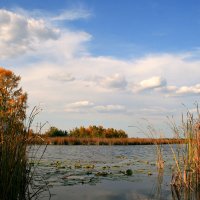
{"x": 55, "y": 132}
{"x": 90, "y": 132}
{"x": 97, "y": 132}
{"x": 129, "y": 172}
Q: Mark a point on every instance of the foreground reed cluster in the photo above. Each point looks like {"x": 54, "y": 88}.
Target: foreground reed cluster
{"x": 13, "y": 165}
{"x": 16, "y": 172}
{"x": 13, "y": 138}
{"x": 186, "y": 172}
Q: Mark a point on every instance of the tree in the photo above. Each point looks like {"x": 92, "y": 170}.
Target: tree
{"x": 55, "y": 132}
{"x": 13, "y": 102}
{"x": 13, "y": 138}
{"x": 98, "y": 132}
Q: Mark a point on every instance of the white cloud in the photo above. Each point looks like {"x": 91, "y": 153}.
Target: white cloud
{"x": 154, "y": 110}
{"x": 150, "y": 84}
{"x": 64, "y": 77}
{"x": 167, "y": 89}
{"x": 153, "y": 82}
{"x": 88, "y": 106}
{"x": 79, "y": 106}
{"x": 110, "y": 108}
{"x": 45, "y": 52}
{"x": 192, "y": 90}
{"x": 22, "y": 34}
{"x": 19, "y": 34}
{"x": 159, "y": 84}
{"x": 116, "y": 81}
{"x": 71, "y": 15}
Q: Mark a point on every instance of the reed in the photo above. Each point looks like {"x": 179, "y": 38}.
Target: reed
{"x": 13, "y": 162}
{"x": 16, "y": 171}
{"x": 186, "y": 171}
{"x": 104, "y": 141}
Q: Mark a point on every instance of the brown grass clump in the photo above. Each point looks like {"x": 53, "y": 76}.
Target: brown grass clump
{"x": 105, "y": 141}
{"x": 186, "y": 172}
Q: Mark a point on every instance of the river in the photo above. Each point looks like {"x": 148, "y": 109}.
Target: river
{"x": 104, "y": 172}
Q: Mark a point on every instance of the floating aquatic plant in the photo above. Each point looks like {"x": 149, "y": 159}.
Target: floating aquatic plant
{"x": 129, "y": 172}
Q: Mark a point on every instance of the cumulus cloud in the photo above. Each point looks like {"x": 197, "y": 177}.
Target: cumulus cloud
{"x": 78, "y": 106}
{"x": 154, "y": 82}
{"x": 115, "y": 81}
{"x": 185, "y": 90}
{"x": 159, "y": 84}
{"x": 55, "y": 52}
{"x": 20, "y": 34}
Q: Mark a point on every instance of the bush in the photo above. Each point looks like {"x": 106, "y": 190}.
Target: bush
{"x": 97, "y": 132}
{"x": 55, "y": 132}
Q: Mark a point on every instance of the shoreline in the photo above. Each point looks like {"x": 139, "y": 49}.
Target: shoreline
{"x": 105, "y": 141}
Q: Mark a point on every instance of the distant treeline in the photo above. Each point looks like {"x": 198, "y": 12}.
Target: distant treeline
{"x": 96, "y": 135}
{"x": 90, "y": 132}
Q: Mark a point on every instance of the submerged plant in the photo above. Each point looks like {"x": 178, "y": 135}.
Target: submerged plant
{"x": 129, "y": 172}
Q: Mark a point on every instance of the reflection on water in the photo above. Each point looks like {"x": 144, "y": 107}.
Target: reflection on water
{"x": 99, "y": 172}
{"x": 106, "y": 190}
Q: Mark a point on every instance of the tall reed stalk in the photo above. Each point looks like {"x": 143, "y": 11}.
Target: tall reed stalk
{"x": 153, "y": 133}
{"x": 16, "y": 169}
{"x": 186, "y": 172}
{"x": 16, "y": 172}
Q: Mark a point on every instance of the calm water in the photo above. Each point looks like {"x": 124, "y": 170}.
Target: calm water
{"x": 100, "y": 172}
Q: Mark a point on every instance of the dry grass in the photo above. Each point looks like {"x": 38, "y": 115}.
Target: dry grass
{"x": 106, "y": 141}
{"x": 16, "y": 171}
{"x": 13, "y": 166}
{"x": 186, "y": 172}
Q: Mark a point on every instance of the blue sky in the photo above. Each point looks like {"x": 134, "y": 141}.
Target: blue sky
{"x": 111, "y": 63}
{"x": 138, "y": 27}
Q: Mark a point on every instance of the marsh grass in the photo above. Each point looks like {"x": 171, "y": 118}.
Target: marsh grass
{"x": 16, "y": 170}
{"x": 185, "y": 180}
{"x": 104, "y": 141}
{"x": 13, "y": 162}
{"x": 158, "y": 141}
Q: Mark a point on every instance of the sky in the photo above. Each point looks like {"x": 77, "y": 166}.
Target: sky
{"x": 125, "y": 64}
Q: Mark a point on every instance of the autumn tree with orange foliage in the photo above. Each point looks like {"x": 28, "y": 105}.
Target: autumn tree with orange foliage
{"x": 97, "y": 132}
{"x": 12, "y": 101}
{"x": 13, "y": 138}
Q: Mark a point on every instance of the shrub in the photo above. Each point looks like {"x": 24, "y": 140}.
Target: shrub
{"x": 55, "y": 132}
{"x": 97, "y": 132}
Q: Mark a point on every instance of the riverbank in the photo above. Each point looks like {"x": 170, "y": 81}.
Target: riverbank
{"x": 105, "y": 141}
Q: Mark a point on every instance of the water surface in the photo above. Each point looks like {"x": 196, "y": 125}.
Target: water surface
{"x": 100, "y": 172}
